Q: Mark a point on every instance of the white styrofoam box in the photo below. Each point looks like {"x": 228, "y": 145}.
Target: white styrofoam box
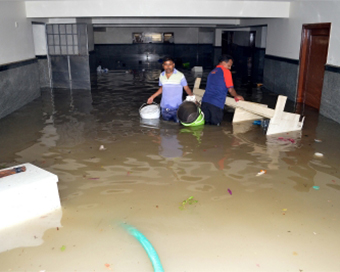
{"x": 197, "y": 69}
{"x": 30, "y": 232}
{"x": 27, "y": 195}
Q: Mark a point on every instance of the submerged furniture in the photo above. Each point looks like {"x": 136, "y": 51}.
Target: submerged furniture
{"x": 280, "y": 121}
{"x": 26, "y": 195}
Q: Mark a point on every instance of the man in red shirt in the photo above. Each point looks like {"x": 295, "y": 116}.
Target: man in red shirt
{"x": 219, "y": 83}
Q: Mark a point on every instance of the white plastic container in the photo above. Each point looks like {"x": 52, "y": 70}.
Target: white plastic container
{"x": 150, "y": 111}
{"x": 26, "y": 195}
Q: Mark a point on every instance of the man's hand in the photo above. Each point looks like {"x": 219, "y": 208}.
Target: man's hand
{"x": 238, "y": 97}
{"x": 150, "y": 100}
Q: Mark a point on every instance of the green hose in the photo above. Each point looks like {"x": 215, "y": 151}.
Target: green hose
{"x": 156, "y": 263}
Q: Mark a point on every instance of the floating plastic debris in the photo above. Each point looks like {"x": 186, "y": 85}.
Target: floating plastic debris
{"x": 257, "y": 122}
{"x": 318, "y": 154}
{"x": 261, "y": 173}
{"x": 286, "y": 140}
{"x": 102, "y": 147}
{"x": 316, "y": 187}
{"x": 318, "y": 140}
{"x": 230, "y": 192}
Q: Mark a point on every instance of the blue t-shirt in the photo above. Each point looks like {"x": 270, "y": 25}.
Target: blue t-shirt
{"x": 172, "y": 92}
{"x": 218, "y": 83}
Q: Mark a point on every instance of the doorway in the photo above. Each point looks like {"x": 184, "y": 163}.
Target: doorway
{"x": 313, "y": 57}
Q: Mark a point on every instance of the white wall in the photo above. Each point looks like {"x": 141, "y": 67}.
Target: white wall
{"x": 122, "y": 35}
{"x": 90, "y": 34}
{"x": 284, "y": 35}
{"x": 39, "y": 37}
{"x": 206, "y": 36}
{"x": 16, "y": 36}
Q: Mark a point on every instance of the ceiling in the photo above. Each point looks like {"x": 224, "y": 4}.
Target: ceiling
{"x": 153, "y": 13}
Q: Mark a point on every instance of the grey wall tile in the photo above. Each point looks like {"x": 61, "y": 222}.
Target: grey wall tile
{"x": 281, "y": 77}
{"x": 330, "y": 98}
{"x": 18, "y": 86}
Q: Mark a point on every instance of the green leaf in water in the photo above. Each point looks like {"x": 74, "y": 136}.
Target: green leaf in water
{"x": 190, "y": 200}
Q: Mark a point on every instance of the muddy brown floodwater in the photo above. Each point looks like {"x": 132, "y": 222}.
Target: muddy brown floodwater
{"x": 241, "y": 221}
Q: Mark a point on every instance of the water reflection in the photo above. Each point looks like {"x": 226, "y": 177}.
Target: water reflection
{"x": 169, "y": 146}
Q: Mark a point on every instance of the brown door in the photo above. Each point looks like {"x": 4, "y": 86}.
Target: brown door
{"x": 313, "y": 57}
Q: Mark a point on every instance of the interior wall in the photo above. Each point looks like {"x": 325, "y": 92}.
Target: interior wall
{"x": 19, "y": 79}
{"x": 283, "y": 49}
{"x": 15, "y": 32}
{"x": 90, "y": 33}
{"x": 284, "y": 35}
{"x": 39, "y": 37}
{"x": 206, "y": 36}
{"x": 123, "y": 35}
{"x": 114, "y": 48}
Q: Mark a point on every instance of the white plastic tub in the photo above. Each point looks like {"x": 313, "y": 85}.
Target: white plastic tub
{"x": 150, "y": 111}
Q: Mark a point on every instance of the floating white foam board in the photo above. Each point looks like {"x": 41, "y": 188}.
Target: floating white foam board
{"x": 27, "y": 195}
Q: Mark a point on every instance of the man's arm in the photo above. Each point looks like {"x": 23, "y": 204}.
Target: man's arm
{"x": 234, "y": 94}
{"x": 188, "y": 90}
{"x": 152, "y": 97}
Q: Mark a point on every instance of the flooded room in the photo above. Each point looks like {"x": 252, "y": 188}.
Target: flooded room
{"x": 193, "y": 136}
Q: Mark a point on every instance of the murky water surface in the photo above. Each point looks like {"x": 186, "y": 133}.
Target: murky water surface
{"x": 241, "y": 221}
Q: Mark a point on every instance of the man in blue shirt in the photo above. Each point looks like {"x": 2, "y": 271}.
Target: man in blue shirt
{"x": 219, "y": 83}
{"x": 171, "y": 82}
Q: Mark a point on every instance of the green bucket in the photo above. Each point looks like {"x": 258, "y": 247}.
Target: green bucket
{"x": 190, "y": 114}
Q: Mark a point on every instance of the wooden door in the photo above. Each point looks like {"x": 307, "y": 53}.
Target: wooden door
{"x": 313, "y": 57}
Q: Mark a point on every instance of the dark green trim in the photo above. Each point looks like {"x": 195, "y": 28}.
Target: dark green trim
{"x": 17, "y": 64}
{"x": 293, "y": 61}
{"x": 332, "y": 68}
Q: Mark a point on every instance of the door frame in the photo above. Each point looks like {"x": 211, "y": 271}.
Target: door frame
{"x": 306, "y": 33}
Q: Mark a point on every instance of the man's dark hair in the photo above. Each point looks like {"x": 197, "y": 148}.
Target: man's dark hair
{"x": 225, "y": 58}
{"x": 168, "y": 59}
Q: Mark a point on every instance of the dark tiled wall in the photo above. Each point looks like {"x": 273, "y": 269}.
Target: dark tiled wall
{"x": 136, "y": 56}
{"x": 44, "y": 78}
{"x": 330, "y": 99}
{"x": 19, "y": 85}
{"x": 280, "y": 75}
